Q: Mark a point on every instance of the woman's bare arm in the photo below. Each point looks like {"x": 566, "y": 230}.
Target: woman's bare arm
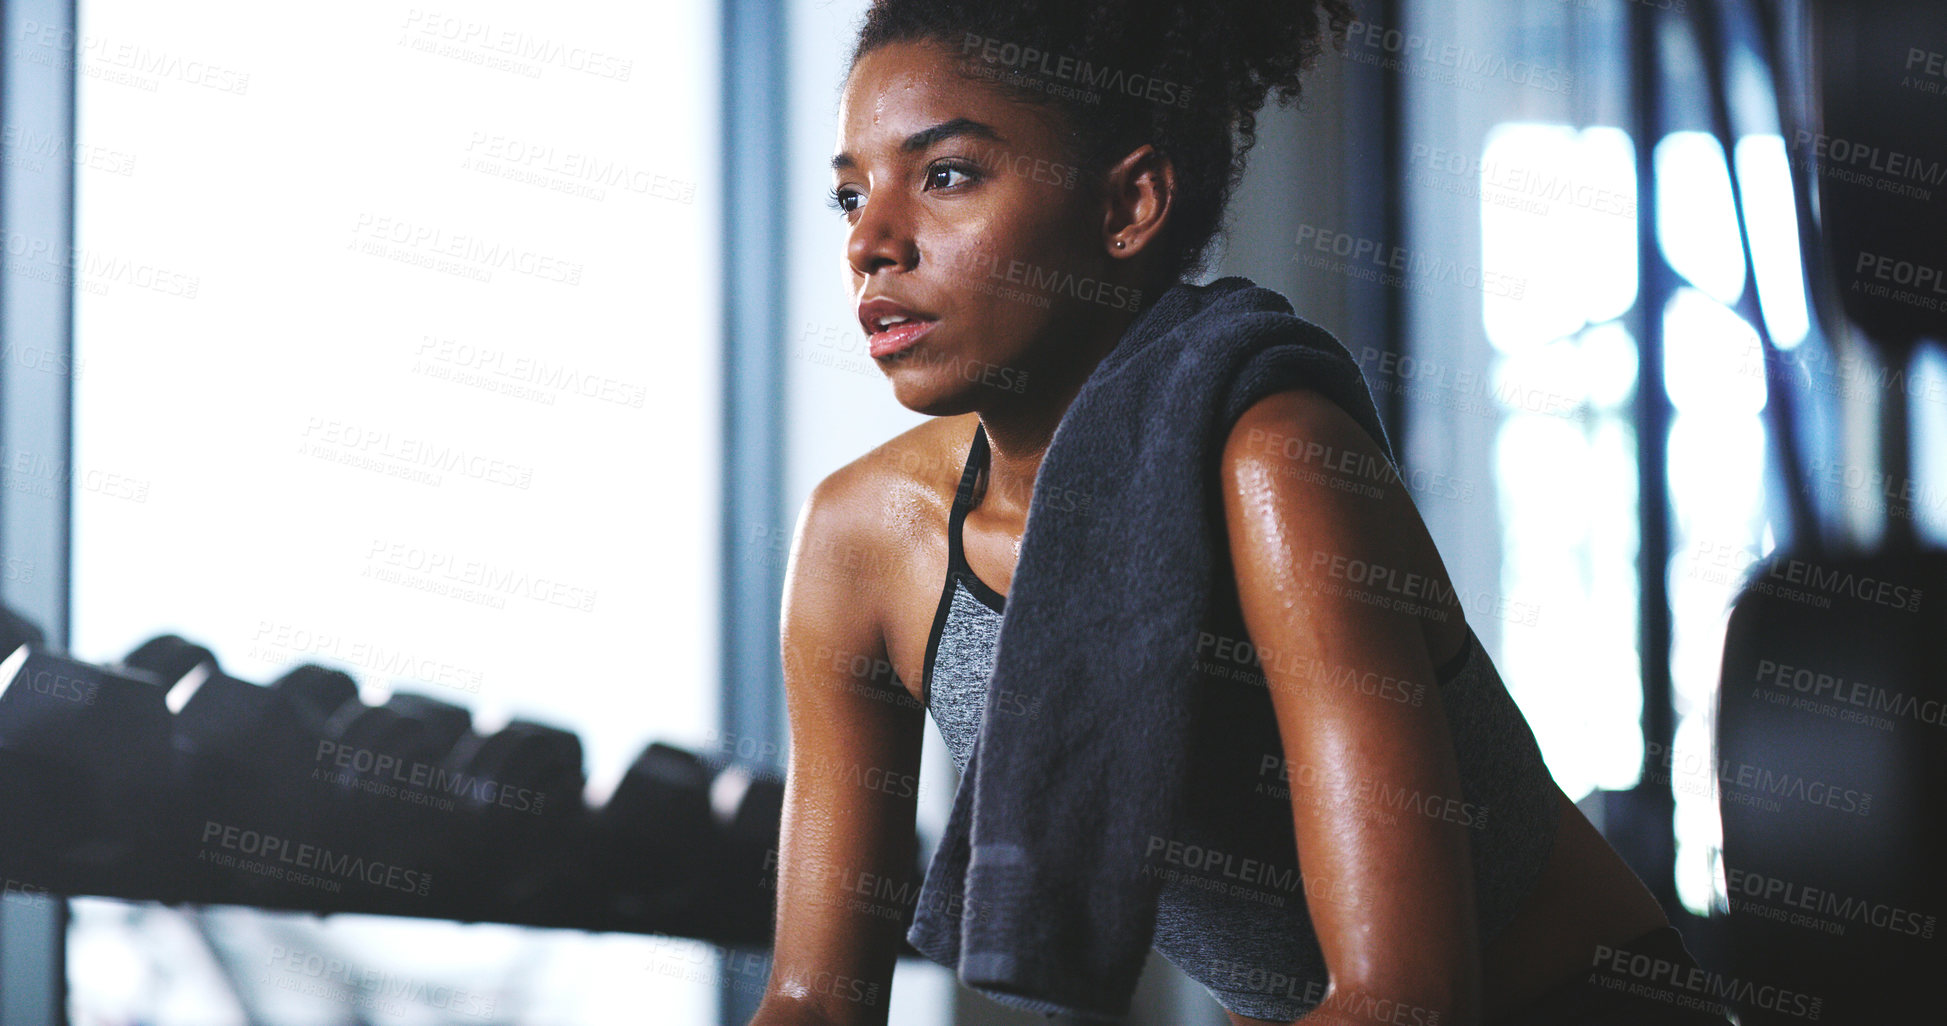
{"x": 847, "y": 849}
{"x": 1307, "y": 535}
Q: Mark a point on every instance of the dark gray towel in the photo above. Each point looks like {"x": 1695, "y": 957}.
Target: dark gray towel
{"x": 1036, "y": 895}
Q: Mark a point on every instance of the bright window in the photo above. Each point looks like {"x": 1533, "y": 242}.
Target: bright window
{"x": 1558, "y": 215}
{"x": 397, "y": 336}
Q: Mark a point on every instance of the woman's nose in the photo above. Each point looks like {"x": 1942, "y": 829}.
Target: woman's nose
{"x": 882, "y": 238}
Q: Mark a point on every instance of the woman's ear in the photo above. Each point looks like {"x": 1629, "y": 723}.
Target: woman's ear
{"x": 1139, "y": 190}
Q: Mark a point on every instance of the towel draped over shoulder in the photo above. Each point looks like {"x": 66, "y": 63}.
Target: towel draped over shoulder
{"x": 1036, "y": 894}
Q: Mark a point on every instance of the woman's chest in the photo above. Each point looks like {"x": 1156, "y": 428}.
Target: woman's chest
{"x": 934, "y": 613}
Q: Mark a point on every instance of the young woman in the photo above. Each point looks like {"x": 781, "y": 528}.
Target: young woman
{"x": 1022, "y": 181}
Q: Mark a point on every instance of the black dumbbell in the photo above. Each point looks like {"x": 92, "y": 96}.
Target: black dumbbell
{"x": 382, "y": 790}
{"x": 167, "y": 659}
{"x": 317, "y": 692}
{"x": 244, "y": 757}
{"x": 84, "y": 771}
{"x": 290, "y": 790}
{"x": 748, "y": 805}
{"x": 16, "y": 631}
{"x": 479, "y": 827}
{"x": 687, "y": 845}
{"x": 445, "y": 722}
{"x": 521, "y": 823}
{"x": 655, "y": 843}
{"x": 366, "y": 770}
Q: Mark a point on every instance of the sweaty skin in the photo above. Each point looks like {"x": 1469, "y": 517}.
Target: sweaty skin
{"x": 937, "y": 212}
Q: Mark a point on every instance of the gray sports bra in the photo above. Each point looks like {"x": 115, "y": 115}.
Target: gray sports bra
{"x": 1232, "y": 910}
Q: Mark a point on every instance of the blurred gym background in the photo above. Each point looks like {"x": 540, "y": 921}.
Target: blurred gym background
{"x": 476, "y": 360}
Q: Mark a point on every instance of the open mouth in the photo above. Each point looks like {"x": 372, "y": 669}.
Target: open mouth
{"x": 891, "y": 327}
{"x": 899, "y": 336}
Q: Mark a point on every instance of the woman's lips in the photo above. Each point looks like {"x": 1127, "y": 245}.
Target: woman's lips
{"x": 898, "y": 337}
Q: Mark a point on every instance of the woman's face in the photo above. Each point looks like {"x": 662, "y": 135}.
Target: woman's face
{"x": 967, "y": 215}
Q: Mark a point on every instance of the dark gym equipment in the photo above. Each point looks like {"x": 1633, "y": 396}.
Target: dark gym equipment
{"x": 748, "y": 807}
{"x": 245, "y": 795}
{"x": 371, "y": 765}
{"x": 317, "y": 692}
{"x": 1829, "y": 728}
{"x": 655, "y": 838}
{"x": 688, "y": 845}
{"x": 446, "y": 722}
{"x": 1864, "y": 57}
{"x": 167, "y": 659}
{"x": 520, "y": 826}
{"x": 299, "y": 795}
{"x": 1835, "y": 663}
{"x": 15, "y": 632}
{"x": 84, "y": 767}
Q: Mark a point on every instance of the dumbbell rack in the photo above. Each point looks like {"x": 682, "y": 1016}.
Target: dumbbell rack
{"x": 165, "y": 779}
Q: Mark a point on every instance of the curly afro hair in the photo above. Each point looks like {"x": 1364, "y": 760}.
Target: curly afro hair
{"x": 1187, "y": 79}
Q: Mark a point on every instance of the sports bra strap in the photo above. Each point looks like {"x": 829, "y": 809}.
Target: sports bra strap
{"x": 963, "y": 498}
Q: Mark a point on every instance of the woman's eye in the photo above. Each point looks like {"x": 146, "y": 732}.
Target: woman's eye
{"x": 845, "y": 201}
{"x": 940, "y": 176}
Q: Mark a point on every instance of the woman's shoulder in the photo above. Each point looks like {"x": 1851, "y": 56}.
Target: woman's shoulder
{"x": 1296, "y": 423}
{"x": 922, "y": 462}
{"x": 1298, "y": 465}
{"x": 866, "y": 539}
{"x": 886, "y": 499}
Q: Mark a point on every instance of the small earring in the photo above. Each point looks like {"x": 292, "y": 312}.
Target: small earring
{"x": 1118, "y": 243}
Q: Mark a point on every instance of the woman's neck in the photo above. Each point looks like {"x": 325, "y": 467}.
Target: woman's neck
{"x": 1018, "y": 433}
